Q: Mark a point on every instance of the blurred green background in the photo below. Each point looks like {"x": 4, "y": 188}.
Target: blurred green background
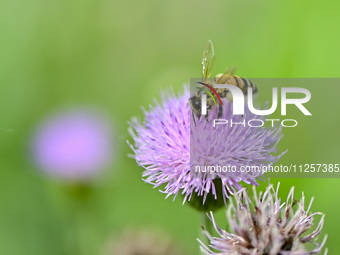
{"x": 118, "y": 56}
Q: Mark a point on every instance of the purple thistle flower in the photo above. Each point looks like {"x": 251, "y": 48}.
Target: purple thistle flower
{"x": 75, "y": 145}
{"x": 264, "y": 225}
{"x": 163, "y": 141}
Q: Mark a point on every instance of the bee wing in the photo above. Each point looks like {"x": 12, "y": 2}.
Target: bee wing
{"x": 208, "y": 60}
{"x": 230, "y": 71}
{"x": 227, "y": 73}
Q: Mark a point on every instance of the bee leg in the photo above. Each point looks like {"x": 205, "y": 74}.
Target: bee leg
{"x": 220, "y": 110}
{"x": 193, "y": 117}
{"x": 230, "y": 97}
{"x": 206, "y": 117}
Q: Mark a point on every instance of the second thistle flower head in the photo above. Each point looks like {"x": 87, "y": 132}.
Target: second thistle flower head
{"x": 266, "y": 226}
{"x": 166, "y": 145}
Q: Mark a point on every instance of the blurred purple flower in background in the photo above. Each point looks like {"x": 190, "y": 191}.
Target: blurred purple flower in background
{"x": 75, "y": 145}
{"x": 162, "y": 147}
{"x": 141, "y": 241}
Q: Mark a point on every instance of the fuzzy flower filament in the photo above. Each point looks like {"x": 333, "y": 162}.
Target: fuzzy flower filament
{"x": 168, "y": 146}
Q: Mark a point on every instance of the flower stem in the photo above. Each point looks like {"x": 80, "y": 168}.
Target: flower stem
{"x": 78, "y": 199}
{"x": 205, "y": 224}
